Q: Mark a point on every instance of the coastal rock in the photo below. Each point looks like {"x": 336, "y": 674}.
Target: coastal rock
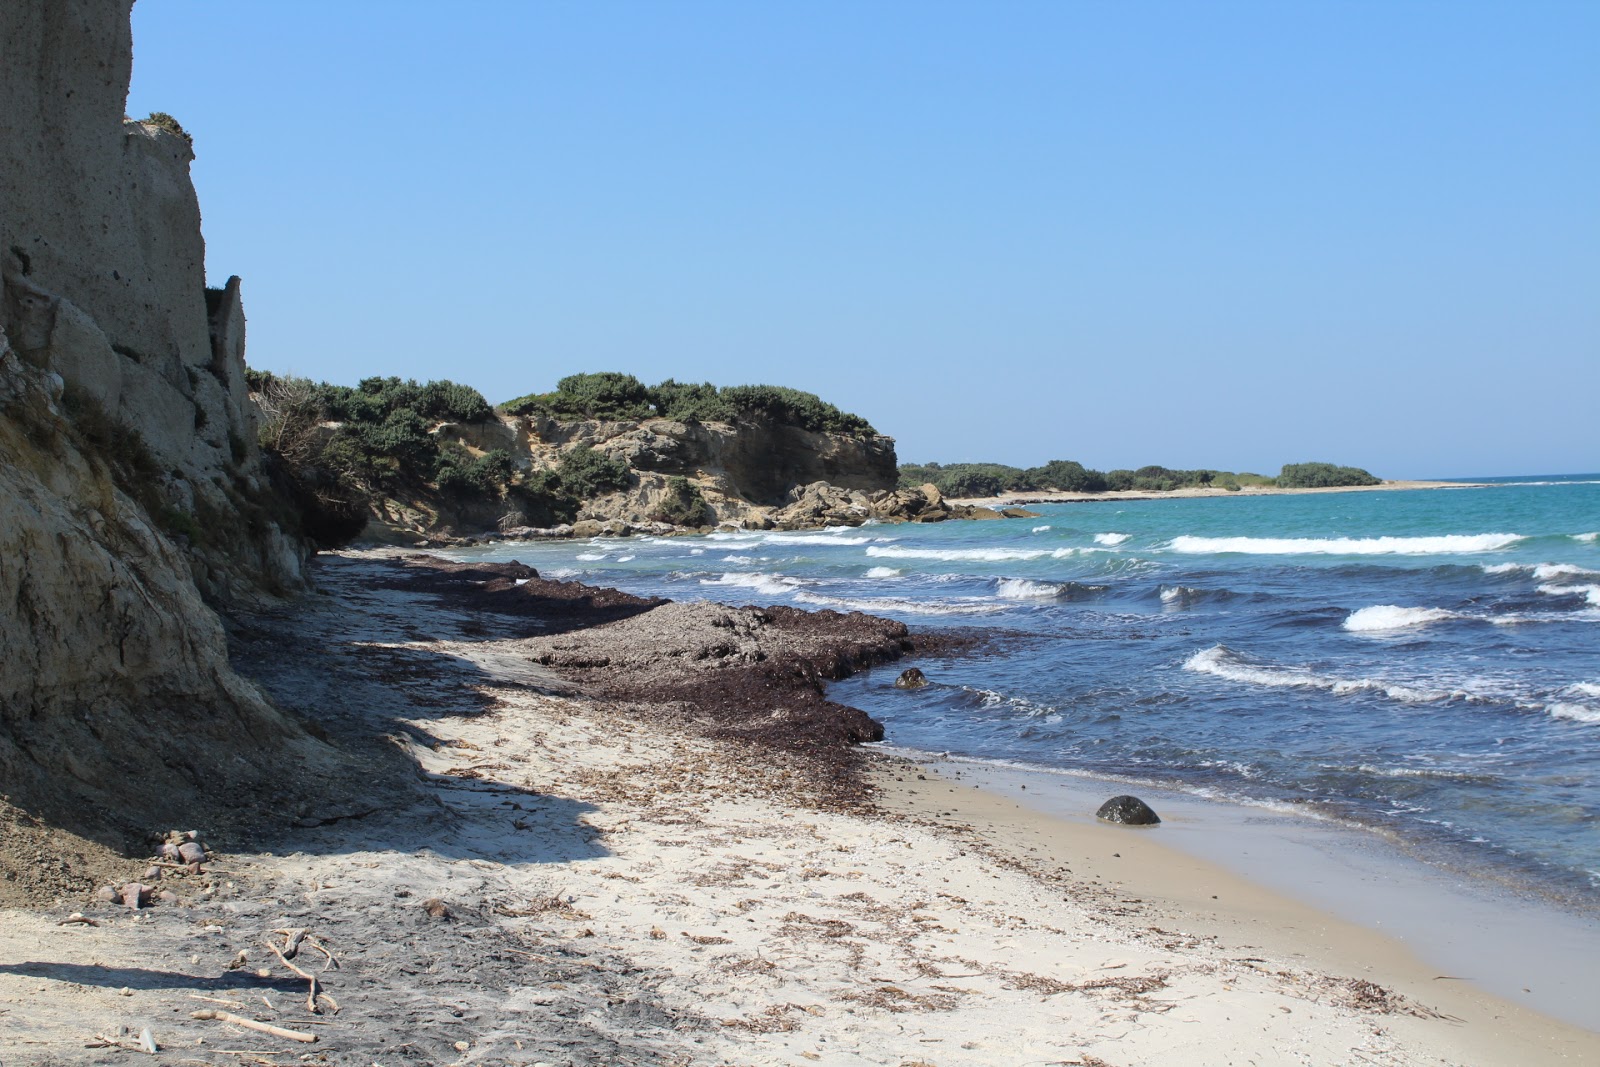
{"x": 1128, "y": 810}
{"x": 911, "y": 678}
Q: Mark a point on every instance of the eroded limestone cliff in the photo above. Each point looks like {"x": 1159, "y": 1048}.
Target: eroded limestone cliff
{"x": 132, "y": 492}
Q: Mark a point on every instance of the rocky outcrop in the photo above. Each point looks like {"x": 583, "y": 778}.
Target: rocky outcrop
{"x": 757, "y": 459}
{"x": 131, "y": 487}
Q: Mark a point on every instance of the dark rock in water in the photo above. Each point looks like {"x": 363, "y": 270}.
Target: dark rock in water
{"x": 1128, "y": 810}
{"x": 911, "y": 679}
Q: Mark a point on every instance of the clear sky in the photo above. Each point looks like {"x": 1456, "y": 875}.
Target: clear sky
{"x": 1214, "y": 234}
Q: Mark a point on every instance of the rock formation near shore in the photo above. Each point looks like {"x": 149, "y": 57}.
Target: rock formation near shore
{"x": 756, "y": 472}
{"x": 132, "y": 492}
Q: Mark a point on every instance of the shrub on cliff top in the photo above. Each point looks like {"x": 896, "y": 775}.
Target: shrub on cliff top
{"x": 611, "y": 395}
{"x": 687, "y": 402}
{"x": 796, "y": 408}
{"x": 601, "y": 395}
{"x": 162, "y": 120}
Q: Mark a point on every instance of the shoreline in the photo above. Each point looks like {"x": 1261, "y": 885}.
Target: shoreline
{"x": 1211, "y": 901}
{"x": 567, "y": 871}
{"x": 1194, "y": 492}
{"x": 1445, "y": 920}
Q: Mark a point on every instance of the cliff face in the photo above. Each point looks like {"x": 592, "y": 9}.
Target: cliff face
{"x": 130, "y": 481}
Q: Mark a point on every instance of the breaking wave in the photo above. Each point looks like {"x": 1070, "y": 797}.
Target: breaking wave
{"x": 1346, "y": 546}
{"x": 1590, "y": 593}
{"x": 1112, "y": 539}
{"x": 1223, "y": 662}
{"x": 1385, "y": 617}
{"x": 901, "y": 605}
{"x": 1027, "y": 589}
{"x": 883, "y": 572}
{"x": 768, "y": 584}
{"x": 979, "y": 555}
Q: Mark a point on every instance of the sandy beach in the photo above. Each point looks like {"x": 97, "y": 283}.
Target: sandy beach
{"x": 544, "y": 872}
{"x": 1059, "y": 497}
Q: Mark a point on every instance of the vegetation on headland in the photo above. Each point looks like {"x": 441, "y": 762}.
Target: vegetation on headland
{"x": 612, "y": 395}
{"x": 993, "y": 479}
{"x": 339, "y": 450}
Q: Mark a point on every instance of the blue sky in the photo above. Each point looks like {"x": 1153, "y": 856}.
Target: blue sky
{"x": 1227, "y": 235}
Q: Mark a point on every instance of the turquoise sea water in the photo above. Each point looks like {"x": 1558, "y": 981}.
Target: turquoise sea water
{"x": 1422, "y": 662}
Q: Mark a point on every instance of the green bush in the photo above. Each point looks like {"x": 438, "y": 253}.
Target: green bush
{"x": 683, "y": 505}
{"x": 602, "y": 395}
{"x": 687, "y": 402}
{"x": 374, "y": 399}
{"x": 795, "y": 408}
{"x": 1322, "y": 476}
{"x": 1066, "y": 475}
{"x": 612, "y": 395}
{"x": 459, "y": 473}
{"x": 586, "y": 473}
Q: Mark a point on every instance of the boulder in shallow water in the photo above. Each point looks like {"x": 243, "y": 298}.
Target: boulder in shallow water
{"x": 1130, "y": 811}
{"x": 911, "y": 679}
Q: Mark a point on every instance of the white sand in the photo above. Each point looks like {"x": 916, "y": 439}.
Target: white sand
{"x": 960, "y": 928}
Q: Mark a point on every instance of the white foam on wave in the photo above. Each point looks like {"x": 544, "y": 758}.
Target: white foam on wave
{"x": 769, "y": 584}
{"x": 1041, "y": 529}
{"x": 1180, "y": 594}
{"x": 1222, "y": 662}
{"x": 736, "y": 558}
{"x": 902, "y": 606}
{"x": 1425, "y": 773}
{"x": 1591, "y": 537}
{"x": 1346, "y": 546}
{"x": 1026, "y": 589}
{"x": 818, "y": 539}
{"x": 1582, "y": 689}
{"x": 624, "y": 559}
{"x": 883, "y": 572}
{"x": 590, "y": 557}
{"x": 1546, "y": 571}
{"x": 1111, "y": 538}
{"x": 1574, "y": 712}
{"x": 970, "y": 555}
{"x": 1591, "y": 593}
{"x": 1503, "y": 568}
{"x": 990, "y": 698}
{"x": 1386, "y": 617}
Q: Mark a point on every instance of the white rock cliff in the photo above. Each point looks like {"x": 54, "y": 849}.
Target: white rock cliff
{"x": 131, "y": 488}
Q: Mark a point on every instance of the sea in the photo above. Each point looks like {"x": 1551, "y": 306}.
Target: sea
{"x": 1421, "y": 664}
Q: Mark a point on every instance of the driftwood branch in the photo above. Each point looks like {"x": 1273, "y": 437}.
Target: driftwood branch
{"x": 251, "y": 1024}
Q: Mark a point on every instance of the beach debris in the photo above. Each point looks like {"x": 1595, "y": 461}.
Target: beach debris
{"x": 145, "y": 1042}
{"x": 437, "y": 908}
{"x": 77, "y": 918}
{"x": 1128, "y": 810}
{"x": 251, "y": 1024}
{"x": 911, "y": 678}
{"x": 294, "y": 937}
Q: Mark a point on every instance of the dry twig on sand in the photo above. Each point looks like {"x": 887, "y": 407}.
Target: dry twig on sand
{"x": 251, "y": 1024}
